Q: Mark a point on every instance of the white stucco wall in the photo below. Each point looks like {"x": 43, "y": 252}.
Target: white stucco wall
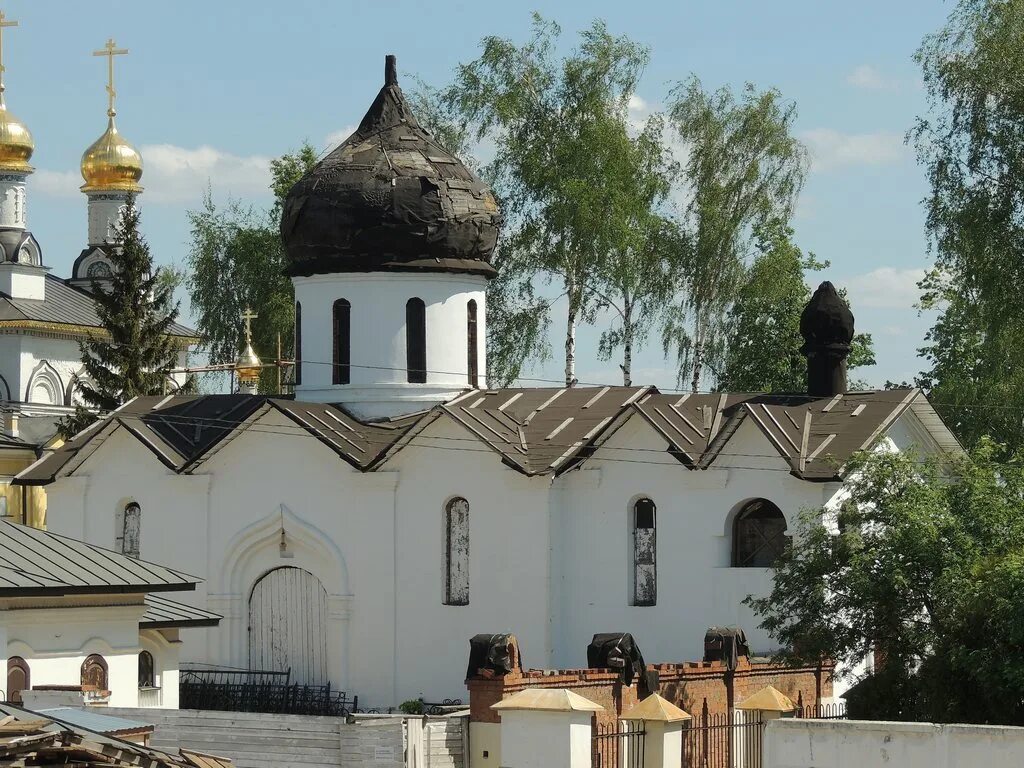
{"x": 378, "y": 384}
{"x": 870, "y": 744}
{"x": 12, "y": 200}
{"x": 56, "y": 641}
{"x": 549, "y": 560}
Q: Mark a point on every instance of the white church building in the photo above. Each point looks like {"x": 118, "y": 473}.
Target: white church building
{"x": 362, "y": 531}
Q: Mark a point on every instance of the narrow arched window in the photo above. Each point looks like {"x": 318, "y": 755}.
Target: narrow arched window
{"x": 645, "y": 545}
{"x": 456, "y": 563}
{"x": 297, "y": 377}
{"x": 19, "y": 678}
{"x": 758, "y": 535}
{"x": 147, "y": 675}
{"x": 94, "y": 673}
{"x": 471, "y": 344}
{"x": 342, "y": 341}
{"x": 128, "y": 530}
{"x": 416, "y": 341}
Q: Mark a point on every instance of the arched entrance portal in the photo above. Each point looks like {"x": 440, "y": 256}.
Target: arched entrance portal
{"x": 288, "y": 625}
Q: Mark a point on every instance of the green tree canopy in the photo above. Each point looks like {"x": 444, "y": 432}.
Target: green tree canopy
{"x": 744, "y": 168}
{"x": 559, "y": 127}
{"x": 134, "y": 355}
{"x": 920, "y": 564}
{"x": 762, "y": 331}
{"x": 972, "y": 145}
{"x": 236, "y": 260}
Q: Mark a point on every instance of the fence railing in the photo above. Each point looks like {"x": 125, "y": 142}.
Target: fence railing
{"x": 618, "y": 745}
{"x": 723, "y": 740}
{"x": 235, "y": 690}
{"x": 836, "y": 711}
{"x": 150, "y": 696}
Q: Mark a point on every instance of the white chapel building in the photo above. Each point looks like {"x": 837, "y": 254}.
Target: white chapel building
{"x": 362, "y": 531}
{"x": 43, "y": 317}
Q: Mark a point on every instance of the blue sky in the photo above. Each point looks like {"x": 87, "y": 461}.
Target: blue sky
{"x": 212, "y": 90}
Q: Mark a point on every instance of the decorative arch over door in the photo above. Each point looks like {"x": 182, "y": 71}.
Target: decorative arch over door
{"x": 288, "y": 625}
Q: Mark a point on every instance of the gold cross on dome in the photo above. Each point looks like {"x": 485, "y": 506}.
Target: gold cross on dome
{"x": 248, "y": 316}
{"x": 110, "y": 50}
{"x": 4, "y": 22}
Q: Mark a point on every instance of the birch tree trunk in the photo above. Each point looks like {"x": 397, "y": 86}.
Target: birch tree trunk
{"x": 627, "y": 343}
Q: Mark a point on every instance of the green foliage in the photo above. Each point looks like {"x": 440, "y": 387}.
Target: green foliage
{"x": 562, "y": 169}
{"x": 762, "y": 332}
{"x": 744, "y": 168}
{"x": 922, "y": 563}
{"x": 412, "y": 707}
{"x": 135, "y": 355}
{"x": 972, "y": 145}
{"x": 236, "y": 260}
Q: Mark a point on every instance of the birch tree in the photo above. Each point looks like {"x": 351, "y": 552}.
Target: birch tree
{"x": 553, "y": 123}
{"x": 743, "y": 168}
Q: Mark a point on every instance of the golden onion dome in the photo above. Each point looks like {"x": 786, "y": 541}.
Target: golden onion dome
{"x": 248, "y": 365}
{"x": 111, "y": 163}
{"x": 16, "y": 143}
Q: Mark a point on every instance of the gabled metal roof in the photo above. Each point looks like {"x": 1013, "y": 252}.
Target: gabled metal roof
{"x": 36, "y": 562}
{"x": 65, "y": 304}
{"x": 162, "y": 613}
{"x": 536, "y": 431}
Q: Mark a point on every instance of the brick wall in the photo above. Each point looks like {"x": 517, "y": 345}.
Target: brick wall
{"x": 687, "y": 685}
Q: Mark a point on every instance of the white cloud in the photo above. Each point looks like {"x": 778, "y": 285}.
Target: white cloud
{"x": 867, "y": 77}
{"x": 834, "y": 149}
{"x": 334, "y": 138}
{"x": 176, "y": 174}
{"x": 637, "y": 105}
{"x": 885, "y": 288}
{"x": 55, "y": 183}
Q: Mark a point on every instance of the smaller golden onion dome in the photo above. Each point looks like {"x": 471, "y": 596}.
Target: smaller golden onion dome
{"x": 111, "y": 163}
{"x": 248, "y": 365}
{"x": 16, "y": 143}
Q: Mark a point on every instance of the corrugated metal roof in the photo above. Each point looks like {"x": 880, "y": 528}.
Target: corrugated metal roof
{"x": 536, "y": 431}
{"x": 162, "y": 613}
{"x": 64, "y": 304}
{"x": 93, "y": 721}
{"x": 39, "y": 562}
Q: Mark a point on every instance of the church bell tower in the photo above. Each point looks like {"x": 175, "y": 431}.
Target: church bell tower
{"x": 389, "y": 240}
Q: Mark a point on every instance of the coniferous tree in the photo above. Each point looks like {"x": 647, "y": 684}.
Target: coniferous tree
{"x": 134, "y": 354}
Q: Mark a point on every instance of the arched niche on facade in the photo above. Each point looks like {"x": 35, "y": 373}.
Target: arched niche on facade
{"x": 45, "y": 385}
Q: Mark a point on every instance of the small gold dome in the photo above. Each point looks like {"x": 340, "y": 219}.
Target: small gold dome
{"x": 16, "y": 143}
{"x": 111, "y": 163}
{"x": 248, "y": 366}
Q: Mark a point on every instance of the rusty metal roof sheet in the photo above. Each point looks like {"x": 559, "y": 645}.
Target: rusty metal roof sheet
{"x": 536, "y": 431}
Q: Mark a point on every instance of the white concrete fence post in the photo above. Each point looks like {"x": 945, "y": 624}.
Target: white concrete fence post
{"x": 546, "y": 728}
{"x": 663, "y": 723}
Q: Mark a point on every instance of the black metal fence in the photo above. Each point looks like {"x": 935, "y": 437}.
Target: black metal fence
{"x": 723, "y": 740}
{"x": 836, "y": 711}
{"x": 239, "y": 690}
{"x": 612, "y": 740}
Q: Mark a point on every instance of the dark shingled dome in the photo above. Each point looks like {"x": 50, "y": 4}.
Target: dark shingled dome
{"x": 390, "y": 198}
{"x": 826, "y": 320}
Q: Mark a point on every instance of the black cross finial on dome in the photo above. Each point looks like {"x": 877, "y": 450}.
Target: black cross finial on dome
{"x": 390, "y": 70}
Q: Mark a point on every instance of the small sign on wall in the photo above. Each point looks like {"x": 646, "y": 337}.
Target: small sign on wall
{"x": 384, "y": 754}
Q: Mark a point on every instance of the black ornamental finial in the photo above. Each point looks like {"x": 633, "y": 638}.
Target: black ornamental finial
{"x": 390, "y": 70}
{"x": 827, "y": 327}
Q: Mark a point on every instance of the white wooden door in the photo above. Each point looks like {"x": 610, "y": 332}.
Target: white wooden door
{"x": 288, "y": 625}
